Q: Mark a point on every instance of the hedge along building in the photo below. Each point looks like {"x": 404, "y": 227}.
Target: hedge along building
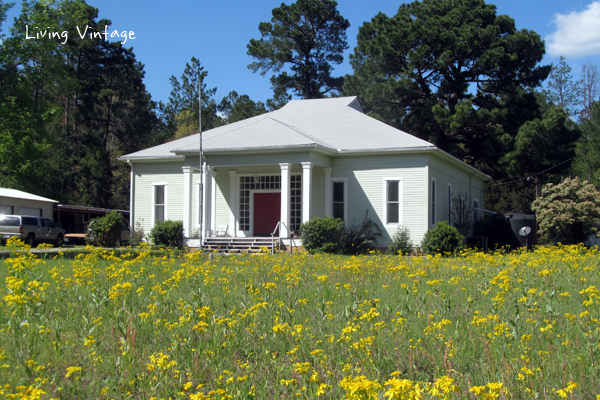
{"x": 311, "y": 158}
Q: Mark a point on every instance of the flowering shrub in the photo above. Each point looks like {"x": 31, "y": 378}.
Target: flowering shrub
{"x": 567, "y": 212}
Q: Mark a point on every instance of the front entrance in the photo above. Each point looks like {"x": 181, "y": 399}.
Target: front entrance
{"x": 267, "y": 211}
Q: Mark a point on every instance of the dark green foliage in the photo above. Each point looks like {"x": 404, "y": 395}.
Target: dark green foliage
{"x": 330, "y": 235}
{"x": 401, "y": 242}
{"x": 106, "y": 231}
{"x": 181, "y": 115}
{"x": 236, "y": 108}
{"x": 321, "y": 235}
{"x": 358, "y": 239}
{"x": 561, "y": 90}
{"x": 587, "y": 163}
{"x": 70, "y": 110}
{"x": 167, "y": 234}
{"x": 307, "y": 36}
{"x": 442, "y": 239}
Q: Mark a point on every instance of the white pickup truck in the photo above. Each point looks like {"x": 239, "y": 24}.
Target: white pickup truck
{"x": 30, "y": 229}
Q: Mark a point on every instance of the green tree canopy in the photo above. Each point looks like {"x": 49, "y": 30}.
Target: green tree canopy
{"x": 70, "y": 108}
{"x": 562, "y": 90}
{"x": 306, "y": 36}
{"x": 587, "y": 163}
{"x": 181, "y": 113}
{"x": 236, "y": 108}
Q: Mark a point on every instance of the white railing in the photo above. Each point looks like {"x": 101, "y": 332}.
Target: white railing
{"x": 292, "y": 243}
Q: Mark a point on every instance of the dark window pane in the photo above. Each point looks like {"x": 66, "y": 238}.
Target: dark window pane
{"x": 392, "y": 213}
{"x": 338, "y": 210}
{"x": 392, "y": 191}
{"x": 160, "y": 213}
{"x": 160, "y": 194}
{"x": 338, "y": 192}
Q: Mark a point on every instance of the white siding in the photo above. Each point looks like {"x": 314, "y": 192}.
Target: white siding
{"x": 146, "y": 174}
{"x": 222, "y": 210}
{"x": 46, "y": 207}
{"x": 366, "y": 191}
{"x": 446, "y": 174}
{"x": 318, "y": 193}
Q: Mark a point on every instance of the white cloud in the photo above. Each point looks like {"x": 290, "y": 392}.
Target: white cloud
{"x": 577, "y": 34}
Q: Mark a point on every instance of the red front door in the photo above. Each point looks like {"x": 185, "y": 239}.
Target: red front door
{"x": 267, "y": 210}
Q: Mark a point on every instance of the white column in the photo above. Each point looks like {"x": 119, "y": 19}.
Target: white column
{"x": 233, "y": 202}
{"x": 213, "y": 201}
{"x": 306, "y": 190}
{"x": 187, "y": 201}
{"x": 328, "y": 201}
{"x": 285, "y": 199}
{"x": 205, "y": 191}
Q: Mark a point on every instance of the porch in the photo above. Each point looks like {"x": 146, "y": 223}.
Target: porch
{"x": 252, "y": 200}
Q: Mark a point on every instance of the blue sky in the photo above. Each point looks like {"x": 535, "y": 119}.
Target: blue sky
{"x": 169, "y": 34}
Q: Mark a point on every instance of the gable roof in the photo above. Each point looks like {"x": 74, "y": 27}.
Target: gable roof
{"x": 17, "y": 194}
{"x": 336, "y": 125}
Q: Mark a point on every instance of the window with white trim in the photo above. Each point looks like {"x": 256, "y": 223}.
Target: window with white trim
{"x": 392, "y": 201}
{"x": 433, "y": 201}
{"x": 295, "y": 202}
{"x": 475, "y": 210}
{"x": 339, "y": 201}
{"x": 160, "y": 202}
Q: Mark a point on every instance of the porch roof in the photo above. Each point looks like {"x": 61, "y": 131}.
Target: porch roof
{"x": 335, "y": 124}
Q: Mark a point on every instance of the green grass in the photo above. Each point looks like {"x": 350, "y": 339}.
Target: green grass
{"x": 104, "y": 325}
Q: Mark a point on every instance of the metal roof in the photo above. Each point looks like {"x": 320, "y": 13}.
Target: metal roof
{"x": 18, "y": 194}
{"x": 337, "y": 124}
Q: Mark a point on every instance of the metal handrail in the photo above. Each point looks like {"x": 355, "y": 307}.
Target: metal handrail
{"x": 292, "y": 243}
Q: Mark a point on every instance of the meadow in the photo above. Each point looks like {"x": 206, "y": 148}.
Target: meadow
{"x": 478, "y": 326}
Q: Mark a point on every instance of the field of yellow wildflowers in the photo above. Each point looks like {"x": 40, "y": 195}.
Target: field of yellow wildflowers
{"x": 479, "y": 326}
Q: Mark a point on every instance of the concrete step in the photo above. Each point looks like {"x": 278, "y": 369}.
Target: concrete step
{"x": 238, "y": 245}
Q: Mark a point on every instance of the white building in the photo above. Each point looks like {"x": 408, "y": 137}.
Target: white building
{"x": 17, "y": 202}
{"x": 311, "y": 158}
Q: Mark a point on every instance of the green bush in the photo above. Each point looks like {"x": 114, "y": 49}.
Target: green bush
{"x": 167, "y": 234}
{"x": 357, "y": 239}
{"x": 106, "y": 231}
{"x": 401, "y": 242}
{"x": 567, "y": 212}
{"x": 443, "y": 238}
{"x": 330, "y": 235}
{"x": 321, "y": 235}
